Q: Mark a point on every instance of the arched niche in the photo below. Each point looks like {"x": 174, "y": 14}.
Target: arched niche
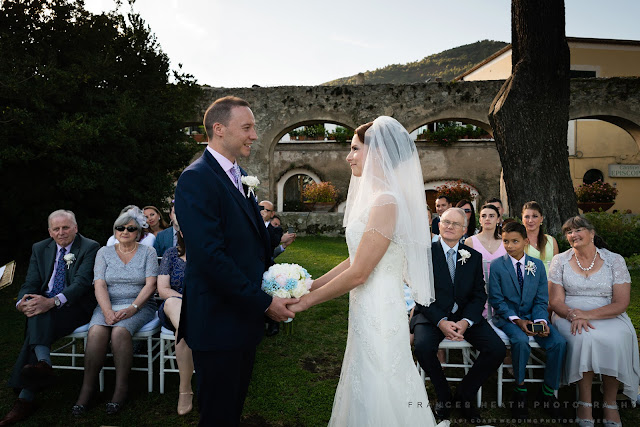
{"x": 283, "y": 180}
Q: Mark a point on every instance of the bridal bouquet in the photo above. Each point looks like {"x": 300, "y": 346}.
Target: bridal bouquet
{"x": 286, "y": 281}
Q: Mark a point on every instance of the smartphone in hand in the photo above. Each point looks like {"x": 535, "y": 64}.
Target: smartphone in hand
{"x": 290, "y": 230}
{"x": 535, "y": 327}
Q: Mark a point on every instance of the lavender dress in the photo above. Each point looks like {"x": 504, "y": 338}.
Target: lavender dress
{"x": 124, "y": 283}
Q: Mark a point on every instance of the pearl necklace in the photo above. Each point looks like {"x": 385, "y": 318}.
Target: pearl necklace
{"x": 592, "y": 262}
{"x": 125, "y": 253}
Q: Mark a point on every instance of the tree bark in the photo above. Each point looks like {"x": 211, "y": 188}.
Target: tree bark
{"x": 530, "y": 113}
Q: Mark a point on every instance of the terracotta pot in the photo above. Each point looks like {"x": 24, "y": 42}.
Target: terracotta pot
{"x": 595, "y": 206}
{"x": 323, "y": 206}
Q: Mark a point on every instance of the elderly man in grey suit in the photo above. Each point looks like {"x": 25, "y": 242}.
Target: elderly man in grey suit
{"x": 56, "y": 297}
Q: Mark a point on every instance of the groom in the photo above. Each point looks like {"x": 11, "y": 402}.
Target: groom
{"x": 229, "y": 249}
{"x": 456, "y": 314}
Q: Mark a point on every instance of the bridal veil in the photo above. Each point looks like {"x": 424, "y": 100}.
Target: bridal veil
{"x": 392, "y": 175}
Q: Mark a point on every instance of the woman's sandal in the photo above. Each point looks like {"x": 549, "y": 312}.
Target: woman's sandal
{"x": 582, "y": 422}
{"x": 79, "y": 410}
{"x": 114, "y": 407}
{"x": 609, "y": 423}
{"x": 185, "y": 402}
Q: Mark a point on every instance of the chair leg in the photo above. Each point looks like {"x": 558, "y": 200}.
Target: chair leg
{"x": 162, "y": 350}
{"x": 499, "y": 385}
{"x": 101, "y": 380}
{"x": 150, "y": 363}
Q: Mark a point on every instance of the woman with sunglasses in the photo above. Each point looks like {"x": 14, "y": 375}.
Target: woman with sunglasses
{"x": 470, "y": 212}
{"x": 145, "y": 237}
{"x": 124, "y": 281}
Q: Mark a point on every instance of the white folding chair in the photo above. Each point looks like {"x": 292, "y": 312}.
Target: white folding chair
{"x": 80, "y": 333}
{"x": 468, "y": 354}
{"x": 167, "y": 354}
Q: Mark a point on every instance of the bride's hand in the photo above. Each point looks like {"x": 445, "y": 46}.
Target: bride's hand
{"x": 299, "y": 306}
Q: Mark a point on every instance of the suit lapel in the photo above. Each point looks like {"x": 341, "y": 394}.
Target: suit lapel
{"x": 75, "y": 249}
{"x": 233, "y": 191}
{"x": 512, "y": 273}
{"x": 441, "y": 260}
{"x": 50, "y": 258}
{"x": 528, "y": 278}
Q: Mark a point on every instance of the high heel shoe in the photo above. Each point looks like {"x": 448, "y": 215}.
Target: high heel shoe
{"x": 185, "y": 402}
{"x": 114, "y": 407}
{"x": 584, "y": 422}
{"x": 609, "y": 423}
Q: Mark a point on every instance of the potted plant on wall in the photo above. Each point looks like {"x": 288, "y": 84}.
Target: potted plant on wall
{"x": 320, "y": 196}
{"x": 456, "y": 191}
{"x": 596, "y": 196}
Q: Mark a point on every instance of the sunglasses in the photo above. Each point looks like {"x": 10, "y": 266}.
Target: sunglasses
{"x": 130, "y": 228}
{"x": 262, "y": 208}
{"x": 467, "y": 210}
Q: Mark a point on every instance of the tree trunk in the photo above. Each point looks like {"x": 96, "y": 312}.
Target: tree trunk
{"x": 530, "y": 113}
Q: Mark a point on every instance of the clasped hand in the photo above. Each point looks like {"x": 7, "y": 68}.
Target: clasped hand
{"x": 34, "y": 304}
{"x": 112, "y": 317}
{"x": 453, "y": 331}
{"x": 280, "y": 308}
{"x": 579, "y": 321}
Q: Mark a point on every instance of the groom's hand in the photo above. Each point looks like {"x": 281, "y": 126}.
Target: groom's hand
{"x": 278, "y": 310}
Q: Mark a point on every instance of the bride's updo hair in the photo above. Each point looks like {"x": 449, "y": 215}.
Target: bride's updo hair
{"x": 362, "y": 129}
{"x": 393, "y": 138}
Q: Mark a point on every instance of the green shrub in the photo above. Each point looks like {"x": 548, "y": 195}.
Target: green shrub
{"x": 620, "y": 231}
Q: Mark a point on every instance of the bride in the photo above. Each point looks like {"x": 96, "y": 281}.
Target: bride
{"x": 389, "y": 244}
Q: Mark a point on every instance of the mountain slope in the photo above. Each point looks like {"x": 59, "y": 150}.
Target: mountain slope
{"x": 445, "y": 65}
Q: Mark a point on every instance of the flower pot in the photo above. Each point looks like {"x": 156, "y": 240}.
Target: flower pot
{"x": 199, "y": 137}
{"x": 595, "y": 206}
{"x": 323, "y": 206}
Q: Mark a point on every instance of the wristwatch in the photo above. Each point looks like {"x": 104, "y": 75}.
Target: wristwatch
{"x": 57, "y": 302}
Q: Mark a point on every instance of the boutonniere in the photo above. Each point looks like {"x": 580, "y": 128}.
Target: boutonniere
{"x": 530, "y": 268}
{"x": 252, "y": 182}
{"x": 69, "y": 259}
{"x": 464, "y": 255}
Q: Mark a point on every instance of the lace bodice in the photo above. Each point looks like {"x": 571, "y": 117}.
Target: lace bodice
{"x": 600, "y": 284}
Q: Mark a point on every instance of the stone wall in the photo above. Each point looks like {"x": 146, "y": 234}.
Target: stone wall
{"x": 312, "y": 223}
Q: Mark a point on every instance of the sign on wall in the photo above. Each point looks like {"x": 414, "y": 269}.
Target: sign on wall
{"x": 624, "y": 171}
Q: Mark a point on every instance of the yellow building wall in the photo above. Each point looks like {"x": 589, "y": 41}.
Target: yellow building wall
{"x": 599, "y": 144}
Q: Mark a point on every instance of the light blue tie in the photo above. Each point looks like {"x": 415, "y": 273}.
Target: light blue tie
{"x": 58, "y": 279}
{"x": 451, "y": 262}
{"x": 237, "y": 175}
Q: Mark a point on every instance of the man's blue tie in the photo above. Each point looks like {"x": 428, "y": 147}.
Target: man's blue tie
{"x": 451, "y": 262}
{"x": 58, "y": 279}
{"x": 237, "y": 175}
{"x": 520, "y": 278}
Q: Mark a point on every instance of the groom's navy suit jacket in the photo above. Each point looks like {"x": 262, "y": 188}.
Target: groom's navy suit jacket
{"x": 228, "y": 250}
{"x": 467, "y": 291}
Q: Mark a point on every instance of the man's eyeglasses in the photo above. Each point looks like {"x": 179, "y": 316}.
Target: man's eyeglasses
{"x": 448, "y": 223}
{"x": 130, "y": 228}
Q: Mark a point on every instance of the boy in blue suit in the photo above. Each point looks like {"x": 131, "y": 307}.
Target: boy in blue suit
{"x": 518, "y": 293}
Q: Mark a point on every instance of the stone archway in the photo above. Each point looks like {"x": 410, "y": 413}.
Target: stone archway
{"x": 432, "y": 185}
{"x": 283, "y": 180}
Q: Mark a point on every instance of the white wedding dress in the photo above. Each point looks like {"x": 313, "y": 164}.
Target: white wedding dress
{"x": 379, "y": 383}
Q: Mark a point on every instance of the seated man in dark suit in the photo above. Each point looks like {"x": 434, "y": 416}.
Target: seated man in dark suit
{"x": 56, "y": 297}
{"x": 168, "y": 237}
{"x": 286, "y": 240}
{"x": 456, "y": 314}
{"x": 442, "y": 204}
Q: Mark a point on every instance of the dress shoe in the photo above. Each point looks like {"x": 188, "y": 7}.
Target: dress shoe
{"x": 21, "y": 410}
{"x": 551, "y": 405}
{"x": 185, "y": 402}
{"x": 38, "y": 375}
{"x": 273, "y": 328}
{"x": 519, "y": 406}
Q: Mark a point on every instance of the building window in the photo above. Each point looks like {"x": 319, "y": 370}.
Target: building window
{"x": 593, "y": 175}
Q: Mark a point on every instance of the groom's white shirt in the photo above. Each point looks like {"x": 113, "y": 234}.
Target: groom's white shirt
{"x": 226, "y": 166}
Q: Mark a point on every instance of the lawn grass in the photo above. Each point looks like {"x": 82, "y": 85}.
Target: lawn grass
{"x": 294, "y": 378}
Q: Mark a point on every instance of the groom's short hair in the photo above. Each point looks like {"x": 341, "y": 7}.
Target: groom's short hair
{"x": 220, "y": 112}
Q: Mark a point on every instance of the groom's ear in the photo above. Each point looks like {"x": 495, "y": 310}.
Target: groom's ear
{"x": 218, "y": 129}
